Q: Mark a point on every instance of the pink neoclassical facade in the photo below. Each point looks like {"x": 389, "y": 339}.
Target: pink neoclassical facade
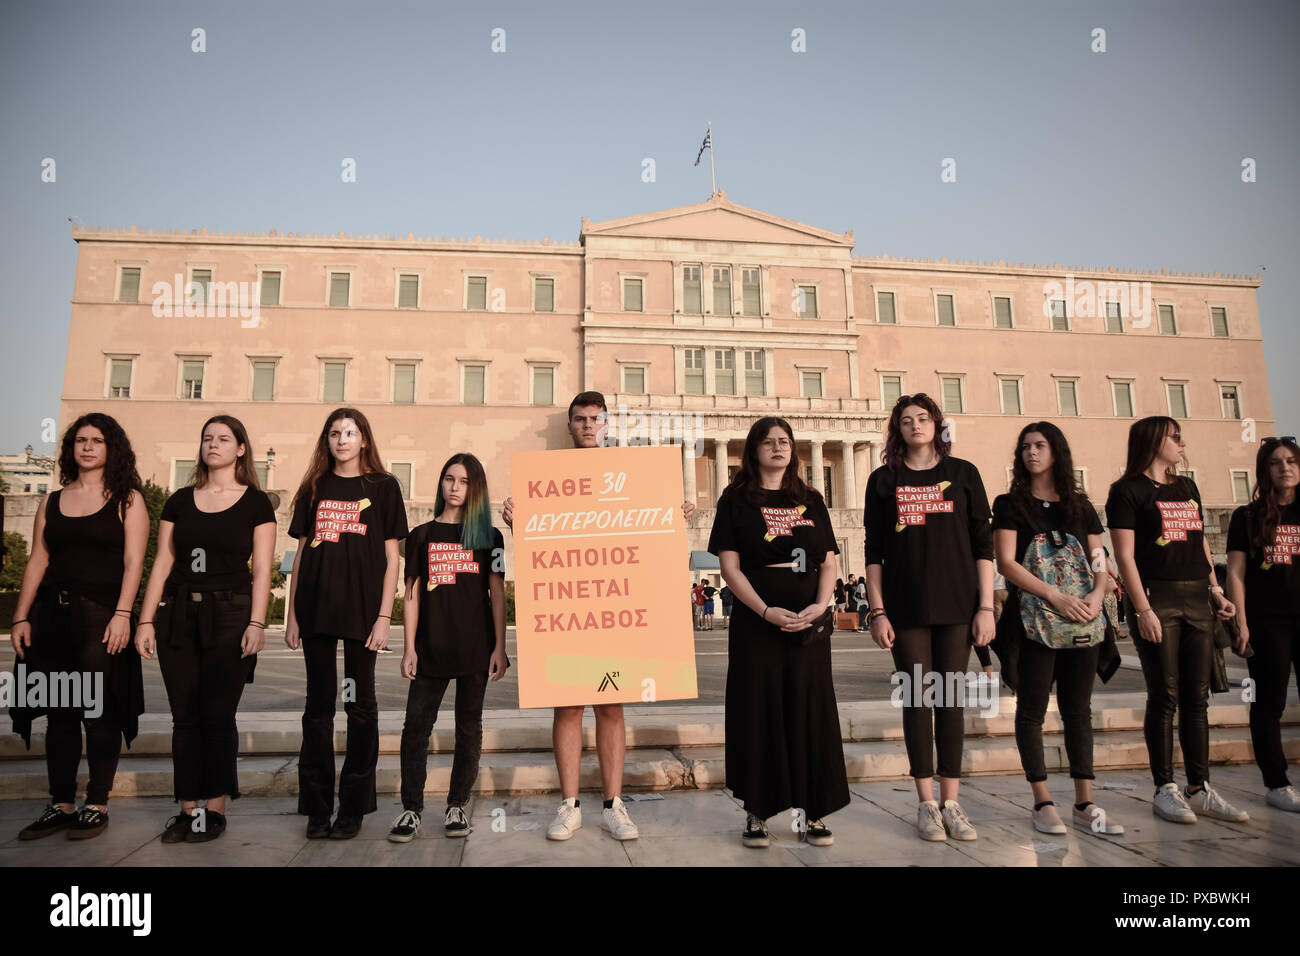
{"x": 694, "y": 321}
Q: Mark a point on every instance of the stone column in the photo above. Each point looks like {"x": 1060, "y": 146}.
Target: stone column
{"x": 875, "y": 447}
{"x": 688, "y": 470}
{"x": 719, "y": 467}
{"x": 815, "y": 459}
{"x": 850, "y": 478}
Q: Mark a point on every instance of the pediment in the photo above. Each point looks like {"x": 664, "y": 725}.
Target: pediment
{"x": 718, "y": 219}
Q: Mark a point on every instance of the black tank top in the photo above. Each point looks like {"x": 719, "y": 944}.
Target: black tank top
{"x": 86, "y": 553}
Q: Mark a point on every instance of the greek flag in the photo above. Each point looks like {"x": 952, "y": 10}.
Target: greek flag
{"x": 708, "y": 143}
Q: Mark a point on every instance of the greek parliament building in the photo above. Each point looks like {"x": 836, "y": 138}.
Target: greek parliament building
{"x": 709, "y": 316}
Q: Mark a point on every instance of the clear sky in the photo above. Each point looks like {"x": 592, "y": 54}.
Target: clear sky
{"x": 1130, "y": 158}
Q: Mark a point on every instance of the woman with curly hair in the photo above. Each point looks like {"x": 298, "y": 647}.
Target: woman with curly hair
{"x": 74, "y": 617}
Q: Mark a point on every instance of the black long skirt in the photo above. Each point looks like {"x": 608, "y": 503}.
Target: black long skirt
{"x": 783, "y": 727}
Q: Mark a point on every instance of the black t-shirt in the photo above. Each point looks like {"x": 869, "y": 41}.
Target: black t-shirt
{"x": 455, "y": 633}
{"x": 342, "y": 568}
{"x": 1272, "y": 579}
{"x": 1167, "y": 525}
{"x": 927, "y": 529}
{"x": 213, "y": 548}
{"x": 1044, "y": 516}
{"x": 777, "y": 532}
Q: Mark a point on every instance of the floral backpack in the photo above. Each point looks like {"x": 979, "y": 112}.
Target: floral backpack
{"x": 1057, "y": 558}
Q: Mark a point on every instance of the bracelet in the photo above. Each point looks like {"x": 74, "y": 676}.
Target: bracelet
{"x": 878, "y": 612}
{"x": 765, "y": 610}
{"x": 1216, "y": 589}
{"x": 256, "y": 624}
{"x": 127, "y": 613}
{"x": 143, "y": 623}
{"x": 1144, "y": 610}
{"x": 983, "y": 608}
{"x": 386, "y": 617}
{"x": 23, "y": 621}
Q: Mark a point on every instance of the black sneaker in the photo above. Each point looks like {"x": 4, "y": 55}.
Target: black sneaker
{"x": 51, "y": 820}
{"x": 405, "y": 827}
{"x": 818, "y": 834}
{"x": 755, "y": 832}
{"x": 89, "y": 823}
{"x": 345, "y": 828}
{"x": 214, "y": 824}
{"x": 318, "y": 828}
{"x": 455, "y": 824}
{"x": 177, "y": 827}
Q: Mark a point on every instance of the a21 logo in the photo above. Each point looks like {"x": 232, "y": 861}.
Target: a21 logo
{"x": 608, "y": 682}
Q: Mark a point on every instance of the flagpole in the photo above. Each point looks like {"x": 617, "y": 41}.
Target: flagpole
{"x": 712, "y": 170}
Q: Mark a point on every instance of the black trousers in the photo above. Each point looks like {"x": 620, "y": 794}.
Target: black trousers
{"x": 199, "y": 655}
{"x": 1074, "y": 670}
{"x": 83, "y": 651}
{"x": 1177, "y": 674}
{"x": 1276, "y": 641}
{"x": 423, "y": 699}
{"x": 316, "y": 758}
{"x": 943, "y": 649}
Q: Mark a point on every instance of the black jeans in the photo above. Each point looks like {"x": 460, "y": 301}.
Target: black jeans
{"x": 316, "y": 759}
{"x": 422, "y": 702}
{"x": 1276, "y": 641}
{"x": 1074, "y": 669}
{"x": 944, "y": 649}
{"x": 1177, "y": 673}
{"x": 199, "y": 655}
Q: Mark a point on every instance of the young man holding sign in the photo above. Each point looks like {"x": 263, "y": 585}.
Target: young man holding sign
{"x": 587, "y": 427}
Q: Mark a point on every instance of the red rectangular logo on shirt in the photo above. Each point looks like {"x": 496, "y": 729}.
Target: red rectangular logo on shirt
{"x": 1286, "y": 543}
{"x": 335, "y": 518}
{"x": 914, "y": 502}
{"x": 1179, "y": 517}
{"x": 446, "y": 560}
{"x": 783, "y": 521}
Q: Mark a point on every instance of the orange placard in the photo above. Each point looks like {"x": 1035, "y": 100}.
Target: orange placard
{"x": 601, "y": 610}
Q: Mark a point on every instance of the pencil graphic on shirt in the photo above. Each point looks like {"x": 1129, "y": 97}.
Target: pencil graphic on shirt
{"x": 800, "y": 509}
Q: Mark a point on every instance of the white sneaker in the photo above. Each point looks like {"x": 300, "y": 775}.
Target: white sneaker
{"x": 405, "y": 828}
{"x": 616, "y": 821}
{"x": 1047, "y": 820}
{"x": 1208, "y": 803}
{"x": 567, "y": 822}
{"x": 956, "y": 822}
{"x": 1096, "y": 820}
{"x": 1284, "y": 798}
{"x": 1170, "y": 804}
{"x": 929, "y": 823}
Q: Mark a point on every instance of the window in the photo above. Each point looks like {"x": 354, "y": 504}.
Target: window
{"x": 634, "y": 379}
{"x": 692, "y": 304}
{"x": 1177, "y": 392}
{"x": 340, "y": 290}
{"x": 42, "y": 488}
{"x": 755, "y": 372}
{"x": 812, "y": 383}
{"x": 476, "y": 293}
{"x": 891, "y": 390}
{"x": 543, "y": 385}
{"x": 335, "y": 382}
{"x": 401, "y": 470}
{"x": 885, "y": 314}
{"x": 827, "y": 484}
{"x": 695, "y": 371}
{"x": 632, "y": 289}
{"x": 952, "y": 397}
{"x": 263, "y": 473}
{"x": 1067, "y": 393}
{"x": 943, "y": 309}
{"x": 1168, "y": 323}
{"x": 408, "y": 291}
{"x": 269, "y": 288}
{"x": 1123, "y": 395}
{"x": 724, "y": 372}
{"x": 1219, "y": 321}
{"x": 264, "y": 381}
{"x": 750, "y": 292}
{"x": 1010, "y": 396}
{"x": 1240, "y": 487}
{"x": 473, "y": 387}
{"x": 192, "y": 378}
{"x": 808, "y": 301}
{"x": 128, "y": 284}
{"x": 1060, "y": 321}
{"x": 199, "y": 286}
{"x": 721, "y": 290}
{"x": 543, "y": 294}
{"x": 182, "y": 469}
{"x": 1078, "y": 480}
{"x": 404, "y": 383}
{"x": 1002, "y": 311}
{"x": 1114, "y": 322}
{"x": 119, "y": 378}
{"x": 1231, "y": 401}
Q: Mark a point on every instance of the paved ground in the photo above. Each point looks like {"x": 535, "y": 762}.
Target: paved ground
{"x": 697, "y": 828}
